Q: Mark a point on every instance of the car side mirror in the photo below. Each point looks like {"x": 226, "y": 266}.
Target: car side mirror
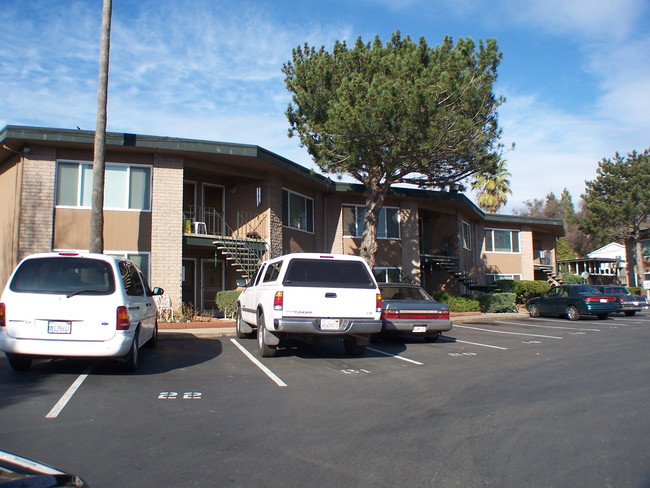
{"x": 241, "y": 283}
{"x": 157, "y": 291}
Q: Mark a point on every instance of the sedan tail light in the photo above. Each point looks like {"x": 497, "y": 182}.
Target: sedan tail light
{"x": 598, "y": 299}
{"x": 123, "y": 321}
{"x": 430, "y": 314}
{"x": 3, "y": 315}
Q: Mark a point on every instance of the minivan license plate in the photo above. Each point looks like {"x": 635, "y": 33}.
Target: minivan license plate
{"x": 330, "y": 324}
{"x": 56, "y": 327}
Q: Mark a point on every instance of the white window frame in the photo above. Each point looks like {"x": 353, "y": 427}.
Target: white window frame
{"x": 385, "y": 270}
{"x": 382, "y": 222}
{"x": 493, "y": 277}
{"x": 511, "y": 231}
{"x": 83, "y": 185}
{"x": 288, "y": 210}
{"x": 466, "y": 235}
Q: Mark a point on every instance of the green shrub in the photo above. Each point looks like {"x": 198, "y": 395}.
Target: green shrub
{"x": 506, "y": 286}
{"x": 458, "y": 303}
{"x": 635, "y": 290}
{"x": 497, "y": 302}
{"x": 571, "y": 279}
{"x": 227, "y": 302}
{"x": 525, "y": 289}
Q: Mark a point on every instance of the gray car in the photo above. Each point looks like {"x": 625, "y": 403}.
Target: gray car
{"x": 625, "y": 302}
{"x": 408, "y": 309}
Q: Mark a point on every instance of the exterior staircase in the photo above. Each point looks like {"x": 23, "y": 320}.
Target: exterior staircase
{"x": 245, "y": 253}
{"x": 553, "y": 277}
{"x": 451, "y": 265}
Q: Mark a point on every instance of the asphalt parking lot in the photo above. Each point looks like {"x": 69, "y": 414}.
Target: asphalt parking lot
{"x": 498, "y": 402}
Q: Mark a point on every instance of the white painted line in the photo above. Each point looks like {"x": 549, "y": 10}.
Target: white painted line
{"x": 504, "y": 332}
{"x": 526, "y": 324}
{"x": 56, "y": 410}
{"x": 255, "y": 361}
{"x": 482, "y": 345}
{"x": 396, "y": 356}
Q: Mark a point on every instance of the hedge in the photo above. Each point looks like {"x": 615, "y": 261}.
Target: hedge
{"x": 458, "y": 303}
{"x": 497, "y": 302}
{"x": 227, "y": 302}
{"x": 523, "y": 289}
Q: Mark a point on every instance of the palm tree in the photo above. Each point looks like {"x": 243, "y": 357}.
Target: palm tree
{"x": 492, "y": 187}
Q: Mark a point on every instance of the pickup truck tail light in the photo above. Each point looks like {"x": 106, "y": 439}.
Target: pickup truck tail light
{"x": 123, "y": 321}
{"x": 424, "y": 315}
{"x": 278, "y": 300}
{"x": 378, "y": 302}
{"x": 3, "y": 315}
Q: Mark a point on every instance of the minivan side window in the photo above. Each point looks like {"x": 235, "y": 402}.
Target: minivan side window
{"x": 132, "y": 283}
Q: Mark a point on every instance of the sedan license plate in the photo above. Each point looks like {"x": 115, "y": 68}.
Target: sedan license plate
{"x": 419, "y": 328}
{"x": 330, "y": 324}
{"x": 56, "y": 327}
{"x": 604, "y": 300}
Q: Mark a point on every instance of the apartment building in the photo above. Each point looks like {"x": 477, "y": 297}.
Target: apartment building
{"x": 198, "y": 215}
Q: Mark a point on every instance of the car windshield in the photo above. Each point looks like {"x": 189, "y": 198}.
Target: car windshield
{"x": 63, "y": 275}
{"x": 327, "y": 272}
{"x": 403, "y": 293}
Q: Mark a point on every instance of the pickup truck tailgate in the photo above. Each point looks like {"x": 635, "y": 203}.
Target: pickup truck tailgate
{"x": 330, "y": 302}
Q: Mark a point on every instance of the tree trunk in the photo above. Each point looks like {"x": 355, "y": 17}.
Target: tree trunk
{"x": 630, "y": 258}
{"x": 640, "y": 268}
{"x": 375, "y": 196}
{"x": 96, "y": 243}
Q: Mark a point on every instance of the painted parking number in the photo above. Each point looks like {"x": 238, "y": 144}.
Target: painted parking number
{"x": 172, "y": 395}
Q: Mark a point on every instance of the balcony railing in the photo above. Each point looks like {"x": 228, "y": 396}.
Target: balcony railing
{"x": 209, "y": 221}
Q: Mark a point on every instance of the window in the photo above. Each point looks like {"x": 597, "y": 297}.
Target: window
{"x": 131, "y": 278}
{"x": 387, "y": 275}
{"x": 494, "y": 277}
{"x": 499, "y": 240}
{"x": 467, "y": 235}
{"x": 297, "y": 211}
{"x": 140, "y": 260}
{"x": 272, "y": 271}
{"x": 125, "y": 186}
{"x": 387, "y": 223}
{"x": 327, "y": 272}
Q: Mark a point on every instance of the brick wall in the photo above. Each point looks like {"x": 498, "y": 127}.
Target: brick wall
{"x": 167, "y": 226}
{"x": 37, "y": 202}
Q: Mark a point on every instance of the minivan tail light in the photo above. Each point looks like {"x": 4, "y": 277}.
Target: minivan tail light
{"x": 378, "y": 302}
{"x": 278, "y": 300}
{"x": 3, "y": 315}
{"x": 123, "y": 321}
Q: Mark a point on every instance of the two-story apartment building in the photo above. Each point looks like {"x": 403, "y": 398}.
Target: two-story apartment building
{"x": 197, "y": 215}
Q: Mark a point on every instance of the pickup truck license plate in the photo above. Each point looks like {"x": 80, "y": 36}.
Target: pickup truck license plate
{"x": 330, "y": 324}
{"x": 419, "y": 328}
{"x": 56, "y": 327}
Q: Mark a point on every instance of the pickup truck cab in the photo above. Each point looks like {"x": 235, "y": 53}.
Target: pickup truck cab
{"x": 310, "y": 295}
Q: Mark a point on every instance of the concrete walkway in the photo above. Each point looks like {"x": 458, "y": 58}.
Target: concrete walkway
{"x": 168, "y": 332}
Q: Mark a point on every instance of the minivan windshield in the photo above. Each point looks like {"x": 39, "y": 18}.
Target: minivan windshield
{"x": 328, "y": 272}
{"x": 64, "y": 275}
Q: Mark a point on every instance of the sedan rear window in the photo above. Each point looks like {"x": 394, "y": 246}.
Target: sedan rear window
{"x": 327, "y": 272}
{"x": 63, "y": 275}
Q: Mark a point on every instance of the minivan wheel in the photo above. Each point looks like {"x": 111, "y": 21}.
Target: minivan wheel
{"x": 153, "y": 342}
{"x": 19, "y": 362}
{"x": 133, "y": 357}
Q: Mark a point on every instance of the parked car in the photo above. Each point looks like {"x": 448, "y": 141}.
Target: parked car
{"x": 64, "y": 304}
{"x": 625, "y": 302}
{"x": 572, "y": 301}
{"x": 17, "y": 471}
{"x": 311, "y": 296}
{"x": 409, "y": 309}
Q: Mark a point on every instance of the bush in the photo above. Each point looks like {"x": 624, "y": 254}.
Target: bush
{"x": 458, "y": 303}
{"x": 525, "y": 289}
{"x": 497, "y": 302}
{"x": 227, "y": 302}
{"x": 507, "y": 286}
{"x": 571, "y": 279}
{"x": 635, "y": 290}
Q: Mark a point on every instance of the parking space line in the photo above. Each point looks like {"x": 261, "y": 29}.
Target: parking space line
{"x": 63, "y": 401}
{"x": 479, "y": 344}
{"x": 526, "y": 324}
{"x": 396, "y": 356}
{"x": 255, "y": 361}
{"x": 504, "y": 332}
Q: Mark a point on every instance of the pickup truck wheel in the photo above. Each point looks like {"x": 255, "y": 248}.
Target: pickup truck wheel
{"x": 266, "y": 350}
{"x": 352, "y": 348}
{"x": 239, "y": 325}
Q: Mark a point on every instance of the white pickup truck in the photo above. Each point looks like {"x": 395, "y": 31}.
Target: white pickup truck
{"x": 312, "y": 295}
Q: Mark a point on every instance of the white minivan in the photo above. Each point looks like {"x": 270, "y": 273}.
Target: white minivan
{"x": 63, "y": 304}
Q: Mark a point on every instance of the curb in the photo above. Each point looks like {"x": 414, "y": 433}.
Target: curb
{"x": 215, "y": 332}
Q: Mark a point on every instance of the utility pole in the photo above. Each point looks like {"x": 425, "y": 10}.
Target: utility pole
{"x": 99, "y": 163}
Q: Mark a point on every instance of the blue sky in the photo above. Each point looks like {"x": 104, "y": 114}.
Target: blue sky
{"x": 575, "y": 73}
